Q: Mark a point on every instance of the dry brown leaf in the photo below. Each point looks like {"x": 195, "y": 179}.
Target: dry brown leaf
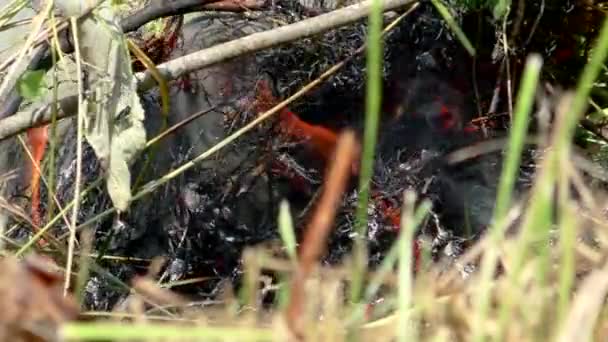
{"x": 31, "y": 300}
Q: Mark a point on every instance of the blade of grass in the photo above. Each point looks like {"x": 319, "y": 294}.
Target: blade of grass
{"x": 288, "y": 236}
{"x": 567, "y": 249}
{"x": 563, "y": 148}
{"x": 406, "y": 330}
{"x": 53, "y": 131}
{"x": 286, "y": 230}
{"x": 539, "y": 216}
{"x": 88, "y": 237}
{"x": 449, "y": 19}
{"x": 79, "y": 135}
{"x": 154, "y": 332}
{"x": 372, "y": 114}
{"x": 517, "y": 136}
{"x": 566, "y": 223}
{"x": 586, "y": 309}
{"x": 507, "y": 180}
{"x": 387, "y": 266}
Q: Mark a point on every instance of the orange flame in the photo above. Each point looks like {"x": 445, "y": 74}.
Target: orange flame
{"x": 321, "y": 140}
{"x": 37, "y": 138}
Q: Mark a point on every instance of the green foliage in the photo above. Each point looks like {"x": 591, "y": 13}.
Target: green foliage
{"x": 31, "y": 85}
{"x": 372, "y": 118}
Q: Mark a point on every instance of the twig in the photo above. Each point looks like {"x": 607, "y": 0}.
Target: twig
{"x": 179, "y": 125}
{"x": 519, "y": 19}
{"x": 22, "y": 121}
{"x": 320, "y": 225}
{"x": 536, "y": 22}
{"x": 79, "y": 134}
{"x": 496, "y": 95}
{"x": 235, "y": 5}
{"x": 508, "y": 69}
{"x": 176, "y": 68}
{"x": 481, "y": 148}
{"x": 163, "y": 8}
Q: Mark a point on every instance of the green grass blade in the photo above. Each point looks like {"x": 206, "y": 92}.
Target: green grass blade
{"x": 566, "y": 220}
{"x": 507, "y": 180}
{"x": 287, "y": 231}
{"x": 568, "y": 263}
{"x": 517, "y": 136}
{"x": 405, "y": 326}
{"x": 449, "y": 19}
{"x": 372, "y": 117}
{"x": 152, "y": 332}
{"x": 388, "y": 263}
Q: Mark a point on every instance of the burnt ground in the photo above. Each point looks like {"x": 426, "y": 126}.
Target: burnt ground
{"x": 437, "y": 99}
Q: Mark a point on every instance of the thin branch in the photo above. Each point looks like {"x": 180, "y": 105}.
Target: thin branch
{"x": 536, "y": 22}
{"x": 77, "y": 181}
{"x": 235, "y": 5}
{"x": 163, "y": 8}
{"x": 21, "y": 121}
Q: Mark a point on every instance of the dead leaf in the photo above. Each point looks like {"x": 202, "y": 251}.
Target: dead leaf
{"x": 114, "y": 120}
{"x": 31, "y": 300}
